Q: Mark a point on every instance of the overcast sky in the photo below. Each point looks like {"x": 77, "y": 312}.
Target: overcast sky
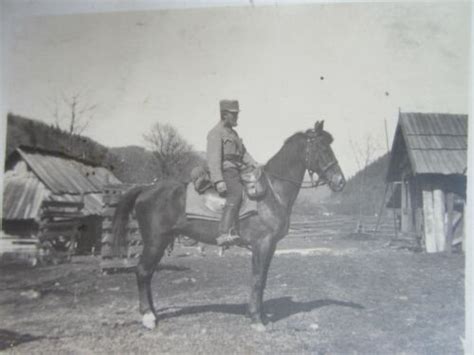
{"x": 353, "y": 65}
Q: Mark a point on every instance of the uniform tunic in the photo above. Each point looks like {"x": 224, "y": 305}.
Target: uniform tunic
{"x": 225, "y": 151}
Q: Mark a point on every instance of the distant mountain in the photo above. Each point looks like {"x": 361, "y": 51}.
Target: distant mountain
{"x": 364, "y": 191}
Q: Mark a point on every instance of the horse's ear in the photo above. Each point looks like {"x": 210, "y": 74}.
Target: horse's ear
{"x": 318, "y": 126}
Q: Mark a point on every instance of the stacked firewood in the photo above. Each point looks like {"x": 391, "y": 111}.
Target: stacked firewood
{"x": 59, "y": 228}
{"x": 126, "y": 256}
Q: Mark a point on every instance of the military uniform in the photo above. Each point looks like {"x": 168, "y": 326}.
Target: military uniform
{"x": 226, "y": 157}
{"x": 225, "y": 150}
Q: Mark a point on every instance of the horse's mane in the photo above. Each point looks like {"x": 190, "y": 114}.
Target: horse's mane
{"x": 293, "y": 136}
{"x": 280, "y": 161}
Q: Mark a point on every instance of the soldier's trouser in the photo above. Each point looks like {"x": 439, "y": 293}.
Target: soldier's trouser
{"x": 230, "y": 214}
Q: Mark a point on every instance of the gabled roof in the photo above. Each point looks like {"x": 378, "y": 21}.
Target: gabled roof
{"x": 62, "y": 175}
{"x": 47, "y": 176}
{"x": 432, "y": 143}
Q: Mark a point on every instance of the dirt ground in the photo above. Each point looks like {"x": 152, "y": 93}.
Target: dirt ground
{"x": 325, "y": 295}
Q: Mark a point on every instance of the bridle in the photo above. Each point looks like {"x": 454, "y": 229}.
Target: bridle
{"x": 311, "y": 148}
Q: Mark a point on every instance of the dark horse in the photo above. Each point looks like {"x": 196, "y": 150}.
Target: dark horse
{"x": 160, "y": 211}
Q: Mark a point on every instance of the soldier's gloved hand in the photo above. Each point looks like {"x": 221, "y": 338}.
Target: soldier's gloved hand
{"x": 221, "y": 188}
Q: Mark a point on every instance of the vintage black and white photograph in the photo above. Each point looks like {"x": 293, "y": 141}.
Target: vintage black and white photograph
{"x": 249, "y": 177}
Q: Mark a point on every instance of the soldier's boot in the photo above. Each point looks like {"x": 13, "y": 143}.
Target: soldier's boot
{"x": 227, "y": 234}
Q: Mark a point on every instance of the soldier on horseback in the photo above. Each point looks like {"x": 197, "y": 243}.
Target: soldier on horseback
{"x": 227, "y": 157}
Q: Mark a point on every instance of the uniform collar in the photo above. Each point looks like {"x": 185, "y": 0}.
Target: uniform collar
{"x": 222, "y": 125}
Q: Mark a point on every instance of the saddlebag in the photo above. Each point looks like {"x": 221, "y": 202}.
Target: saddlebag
{"x": 254, "y": 182}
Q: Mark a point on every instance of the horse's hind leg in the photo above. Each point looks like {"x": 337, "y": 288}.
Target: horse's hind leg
{"x": 153, "y": 251}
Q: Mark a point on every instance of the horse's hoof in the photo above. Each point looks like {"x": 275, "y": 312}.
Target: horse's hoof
{"x": 149, "y": 320}
{"x": 259, "y": 327}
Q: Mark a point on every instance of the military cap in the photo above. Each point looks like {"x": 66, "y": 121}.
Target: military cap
{"x": 229, "y": 105}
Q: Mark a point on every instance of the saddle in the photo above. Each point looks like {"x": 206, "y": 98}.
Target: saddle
{"x": 204, "y": 202}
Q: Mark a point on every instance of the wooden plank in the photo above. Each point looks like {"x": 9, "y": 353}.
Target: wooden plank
{"x": 61, "y": 214}
{"x": 407, "y": 200}
{"x": 76, "y": 204}
{"x": 439, "y": 211}
{"x": 18, "y": 246}
{"x": 18, "y": 240}
{"x": 56, "y": 233}
{"x": 25, "y": 241}
{"x": 429, "y": 236}
{"x": 4, "y": 246}
{"x": 449, "y": 224}
{"x": 13, "y": 247}
{"x": 54, "y": 225}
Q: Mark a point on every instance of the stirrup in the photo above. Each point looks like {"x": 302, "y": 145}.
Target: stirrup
{"x": 227, "y": 239}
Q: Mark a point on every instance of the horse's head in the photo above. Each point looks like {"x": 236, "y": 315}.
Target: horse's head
{"x": 320, "y": 158}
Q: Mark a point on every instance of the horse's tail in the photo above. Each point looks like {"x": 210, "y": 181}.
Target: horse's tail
{"x": 120, "y": 219}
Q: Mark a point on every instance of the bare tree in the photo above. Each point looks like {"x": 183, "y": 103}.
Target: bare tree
{"x": 364, "y": 156}
{"x": 72, "y": 112}
{"x": 170, "y": 149}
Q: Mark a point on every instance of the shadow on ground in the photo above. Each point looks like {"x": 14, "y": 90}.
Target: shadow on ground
{"x": 133, "y": 269}
{"x": 9, "y": 339}
{"x": 277, "y": 308}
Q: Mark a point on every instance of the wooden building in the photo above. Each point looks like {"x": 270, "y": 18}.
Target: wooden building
{"x": 428, "y": 168}
{"x": 50, "y": 192}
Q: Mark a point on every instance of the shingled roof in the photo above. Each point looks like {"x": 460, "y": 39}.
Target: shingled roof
{"x": 62, "y": 174}
{"x": 48, "y": 176}
{"x": 431, "y": 143}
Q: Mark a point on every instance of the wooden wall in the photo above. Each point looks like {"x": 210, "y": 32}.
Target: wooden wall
{"x": 432, "y": 209}
{"x": 443, "y": 211}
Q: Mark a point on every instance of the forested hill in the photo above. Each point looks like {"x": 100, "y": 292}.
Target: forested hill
{"x": 32, "y": 133}
{"x": 364, "y": 191}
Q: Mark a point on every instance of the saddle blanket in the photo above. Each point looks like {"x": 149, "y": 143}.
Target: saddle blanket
{"x": 209, "y": 205}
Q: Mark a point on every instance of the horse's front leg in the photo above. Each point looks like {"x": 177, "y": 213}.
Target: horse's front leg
{"x": 262, "y": 253}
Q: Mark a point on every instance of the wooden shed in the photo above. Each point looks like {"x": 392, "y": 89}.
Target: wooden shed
{"x": 428, "y": 168}
{"x": 50, "y": 192}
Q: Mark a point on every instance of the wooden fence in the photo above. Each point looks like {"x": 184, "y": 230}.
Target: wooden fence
{"x": 318, "y": 226}
{"x": 59, "y": 227}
